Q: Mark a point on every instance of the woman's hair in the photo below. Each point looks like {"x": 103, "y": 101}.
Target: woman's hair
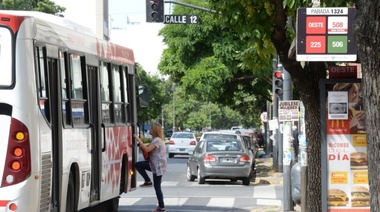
{"x": 345, "y": 86}
{"x": 156, "y": 131}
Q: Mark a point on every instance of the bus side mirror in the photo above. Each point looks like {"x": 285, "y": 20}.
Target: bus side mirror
{"x": 143, "y": 96}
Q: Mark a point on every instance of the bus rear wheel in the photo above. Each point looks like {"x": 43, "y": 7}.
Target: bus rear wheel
{"x": 70, "y": 199}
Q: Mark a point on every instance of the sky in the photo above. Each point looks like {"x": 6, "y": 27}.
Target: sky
{"x": 128, "y": 27}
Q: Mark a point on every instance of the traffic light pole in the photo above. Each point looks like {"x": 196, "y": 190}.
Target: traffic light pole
{"x": 191, "y": 6}
{"x": 276, "y": 132}
{"x": 287, "y": 144}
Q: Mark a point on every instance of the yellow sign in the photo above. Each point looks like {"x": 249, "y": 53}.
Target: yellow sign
{"x": 338, "y": 177}
{"x": 360, "y": 177}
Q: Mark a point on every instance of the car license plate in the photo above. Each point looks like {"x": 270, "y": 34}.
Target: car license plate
{"x": 227, "y": 160}
{"x": 181, "y": 149}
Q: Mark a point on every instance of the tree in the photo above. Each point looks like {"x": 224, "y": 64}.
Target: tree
{"x": 367, "y": 31}
{"x": 266, "y": 29}
{"x": 195, "y": 115}
{"x": 203, "y": 60}
{"x": 156, "y": 92}
{"x": 272, "y": 23}
{"x": 45, "y": 6}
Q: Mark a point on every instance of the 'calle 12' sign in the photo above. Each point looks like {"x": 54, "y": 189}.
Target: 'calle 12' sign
{"x": 181, "y": 19}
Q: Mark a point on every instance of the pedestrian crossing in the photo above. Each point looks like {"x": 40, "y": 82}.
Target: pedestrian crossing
{"x": 216, "y": 203}
{"x": 144, "y": 198}
{"x": 195, "y": 184}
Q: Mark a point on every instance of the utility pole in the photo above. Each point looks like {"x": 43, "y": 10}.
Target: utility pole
{"x": 276, "y": 132}
{"x": 173, "y": 107}
{"x": 287, "y": 144}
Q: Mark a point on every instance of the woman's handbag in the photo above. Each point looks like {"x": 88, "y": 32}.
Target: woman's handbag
{"x": 145, "y": 154}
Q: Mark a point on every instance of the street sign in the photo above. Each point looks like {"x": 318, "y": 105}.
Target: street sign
{"x": 343, "y": 72}
{"x": 288, "y": 110}
{"x": 181, "y": 19}
{"x": 264, "y": 116}
{"x": 326, "y": 34}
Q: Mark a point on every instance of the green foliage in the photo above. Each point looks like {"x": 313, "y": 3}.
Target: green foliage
{"x": 195, "y": 115}
{"x": 45, "y": 6}
{"x": 156, "y": 91}
{"x": 208, "y": 62}
{"x": 146, "y": 140}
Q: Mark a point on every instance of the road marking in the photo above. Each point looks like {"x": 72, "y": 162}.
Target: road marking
{"x": 269, "y": 202}
{"x": 128, "y": 201}
{"x": 175, "y": 201}
{"x": 221, "y": 202}
{"x": 163, "y": 184}
{"x": 266, "y": 192}
{"x": 169, "y": 183}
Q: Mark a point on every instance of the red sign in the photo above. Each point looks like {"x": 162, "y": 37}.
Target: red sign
{"x": 315, "y": 44}
{"x": 343, "y": 72}
{"x": 316, "y": 25}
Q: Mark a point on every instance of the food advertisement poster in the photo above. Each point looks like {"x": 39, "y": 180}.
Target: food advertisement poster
{"x": 347, "y": 165}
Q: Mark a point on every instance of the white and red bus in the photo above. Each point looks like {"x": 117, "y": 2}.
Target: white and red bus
{"x": 68, "y": 109}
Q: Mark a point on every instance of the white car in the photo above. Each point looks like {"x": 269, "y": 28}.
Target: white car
{"x": 182, "y": 143}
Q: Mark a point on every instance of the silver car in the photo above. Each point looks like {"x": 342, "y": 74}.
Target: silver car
{"x": 245, "y": 138}
{"x": 219, "y": 159}
{"x": 181, "y": 143}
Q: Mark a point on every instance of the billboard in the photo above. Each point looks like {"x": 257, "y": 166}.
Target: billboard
{"x": 344, "y": 153}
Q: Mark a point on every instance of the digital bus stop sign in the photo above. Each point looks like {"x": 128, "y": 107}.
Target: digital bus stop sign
{"x": 326, "y": 34}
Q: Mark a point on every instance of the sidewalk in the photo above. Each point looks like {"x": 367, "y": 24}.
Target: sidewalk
{"x": 266, "y": 175}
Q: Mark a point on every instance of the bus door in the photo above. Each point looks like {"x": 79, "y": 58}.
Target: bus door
{"x": 55, "y": 114}
{"x": 96, "y": 150}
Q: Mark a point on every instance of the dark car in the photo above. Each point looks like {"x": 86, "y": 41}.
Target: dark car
{"x": 168, "y": 133}
{"x": 219, "y": 159}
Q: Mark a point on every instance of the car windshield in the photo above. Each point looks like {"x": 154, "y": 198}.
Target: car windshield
{"x": 182, "y": 135}
{"x": 208, "y": 136}
{"x": 224, "y": 145}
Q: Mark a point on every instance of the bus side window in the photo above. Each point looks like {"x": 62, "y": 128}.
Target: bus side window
{"x": 78, "y": 92}
{"x": 42, "y": 83}
{"x": 105, "y": 93}
{"x": 65, "y": 88}
{"x": 117, "y": 88}
{"x": 127, "y": 91}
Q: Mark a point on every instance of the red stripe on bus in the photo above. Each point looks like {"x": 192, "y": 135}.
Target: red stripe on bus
{"x": 3, "y": 203}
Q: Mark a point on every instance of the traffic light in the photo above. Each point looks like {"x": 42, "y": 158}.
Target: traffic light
{"x": 155, "y": 11}
{"x": 278, "y": 83}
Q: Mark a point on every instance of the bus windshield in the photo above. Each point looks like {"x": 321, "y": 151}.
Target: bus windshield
{"x": 5, "y": 57}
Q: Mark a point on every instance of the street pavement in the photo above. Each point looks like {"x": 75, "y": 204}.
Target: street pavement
{"x": 266, "y": 175}
{"x": 268, "y": 195}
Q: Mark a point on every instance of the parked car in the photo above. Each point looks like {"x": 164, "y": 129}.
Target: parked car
{"x": 219, "y": 159}
{"x": 246, "y": 138}
{"x": 181, "y": 143}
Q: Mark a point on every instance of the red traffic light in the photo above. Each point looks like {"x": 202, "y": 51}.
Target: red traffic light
{"x": 278, "y": 74}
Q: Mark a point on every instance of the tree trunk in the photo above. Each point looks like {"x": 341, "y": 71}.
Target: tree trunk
{"x": 367, "y": 31}
{"x": 307, "y": 82}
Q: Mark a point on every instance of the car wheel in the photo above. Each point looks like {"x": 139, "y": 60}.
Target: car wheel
{"x": 171, "y": 155}
{"x": 201, "y": 180}
{"x": 188, "y": 174}
{"x": 246, "y": 181}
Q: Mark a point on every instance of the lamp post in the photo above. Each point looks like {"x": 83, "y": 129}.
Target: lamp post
{"x": 173, "y": 107}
